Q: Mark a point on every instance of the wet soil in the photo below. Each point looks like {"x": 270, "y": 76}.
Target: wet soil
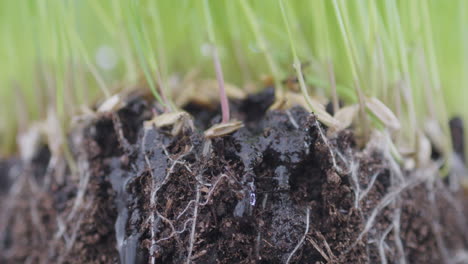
{"x": 276, "y": 191}
{"x": 457, "y": 133}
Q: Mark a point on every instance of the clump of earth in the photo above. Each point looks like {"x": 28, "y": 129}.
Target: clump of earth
{"x": 278, "y": 190}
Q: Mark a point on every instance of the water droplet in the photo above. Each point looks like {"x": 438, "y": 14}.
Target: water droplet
{"x": 253, "y": 199}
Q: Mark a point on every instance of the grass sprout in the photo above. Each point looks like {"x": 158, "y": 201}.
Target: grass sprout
{"x": 410, "y": 55}
{"x": 217, "y": 63}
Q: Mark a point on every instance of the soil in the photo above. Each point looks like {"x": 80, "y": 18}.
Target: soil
{"x": 457, "y": 133}
{"x": 276, "y": 191}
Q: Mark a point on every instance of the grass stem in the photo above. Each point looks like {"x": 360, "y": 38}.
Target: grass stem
{"x": 217, "y": 64}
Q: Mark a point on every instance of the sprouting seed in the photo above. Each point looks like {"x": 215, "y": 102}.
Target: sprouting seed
{"x": 383, "y": 113}
{"x": 205, "y": 92}
{"x": 293, "y": 99}
{"x": 223, "y": 129}
{"x": 346, "y": 115}
{"x": 111, "y": 104}
{"x": 178, "y": 121}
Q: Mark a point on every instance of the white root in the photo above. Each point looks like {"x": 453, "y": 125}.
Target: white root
{"x": 84, "y": 176}
{"x": 386, "y": 200}
{"x": 36, "y": 219}
{"x": 325, "y": 140}
{"x": 292, "y": 120}
{"x": 397, "y": 237}
{"x": 189, "y": 204}
{"x": 330, "y": 257}
{"x": 82, "y": 187}
{"x": 303, "y": 237}
{"x": 61, "y": 228}
{"x": 394, "y": 167}
{"x": 327, "y": 247}
{"x": 169, "y": 173}
{"x": 382, "y": 245}
{"x": 369, "y": 187}
{"x": 315, "y": 245}
{"x": 194, "y": 226}
{"x": 461, "y": 219}
{"x": 76, "y": 227}
{"x": 210, "y": 193}
{"x": 123, "y": 142}
{"x": 53, "y": 161}
{"x": 195, "y": 203}
{"x": 342, "y": 158}
{"x": 174, "y": 230}
{"x": 436, "y": 226}
{"x": 259, "y": 234}
{"x": 64, "y": 220}
{"x": 154, "y": 190}
{"x": 354, "y": 167}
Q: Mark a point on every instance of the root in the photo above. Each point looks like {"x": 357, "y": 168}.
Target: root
{"x": 76, "y": 227}
{"x": 327, "y": 247}
{"x": 303, "y": 237}
{"x": 369, "y": 187}
{"x": 342, "y": 158}
{"x": 62, "y": 233}
{"x": 394, "y": 167}
{"x": 436, "y": 226}
{"x": 120, "y": 135}
{"x": 459, "y": 170}
{"x": 36, "y": 218}
{"x": 292, "y": 120}
{"x": 325, "y": 141}
{"x": 259, "y": 234}
{"x": 194, "y": 226}
{"x": 396, "y": 234}
{"x": 154, "y": 190}
{"x": 460, "y": 218}
{"x": 382, "y": 245}
{"x": 84, "y": 173}
{"x": 319, "y": 250}
{"x": 174, "y": 230}
{"x": 354, "y": 167}
{"x": 195, "y": 203}
{"x": 169, "y": 173}
{"x": 386, "y": 200}
{"x": 82, "y": 187}
{"x": 330, "y": 257}
{"x": 52, "y": 164}
{"x": 211, "y": 191}
{"x": 189, "y": 204}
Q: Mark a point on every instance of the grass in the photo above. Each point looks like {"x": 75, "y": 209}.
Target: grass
{"x": 216, "y": 62}
{"x": 412, "y": 55}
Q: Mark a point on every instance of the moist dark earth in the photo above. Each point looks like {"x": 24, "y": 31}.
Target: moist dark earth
{"x": 278, "y": 190}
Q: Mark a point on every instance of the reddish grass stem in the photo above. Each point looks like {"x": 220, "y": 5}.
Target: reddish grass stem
{"x": 222, "y": 91}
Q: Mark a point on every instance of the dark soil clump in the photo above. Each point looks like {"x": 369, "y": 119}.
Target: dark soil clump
{"x": 277, "y": 190}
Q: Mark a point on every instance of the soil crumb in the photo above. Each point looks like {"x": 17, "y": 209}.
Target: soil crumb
{"x": 278, "y": 190}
